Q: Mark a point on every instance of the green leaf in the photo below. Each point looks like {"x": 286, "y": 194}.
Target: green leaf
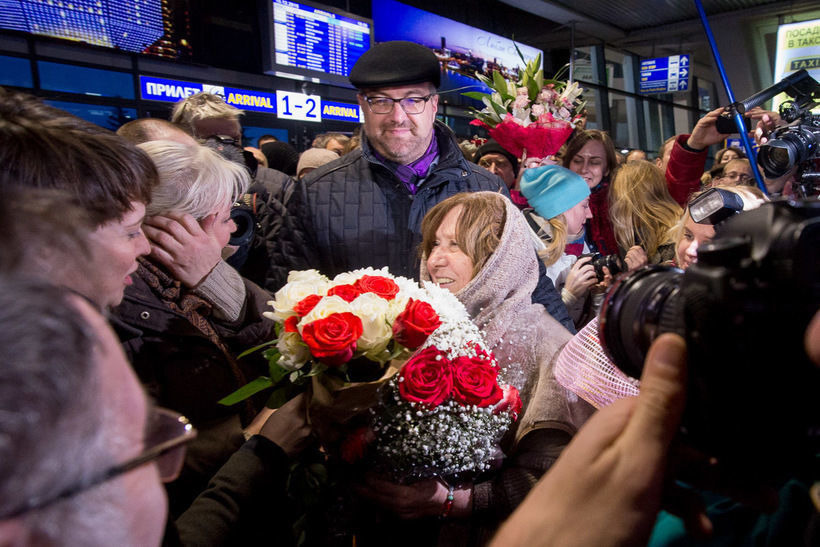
{"x": 477, "y": 95}
{"x": 278, "y": 397}
{"x": 251, "y": 388}
{"x": 532, "y": 89}
{"x": 539, "y": 78}
{"x": 257, "y": 348}
{"x": 521, "y": 55}
{"x": 500, "y": 110}
{"x": 499, "y": 83}
{"x": 272, "y": 354}
{"x": 277, "y": 372}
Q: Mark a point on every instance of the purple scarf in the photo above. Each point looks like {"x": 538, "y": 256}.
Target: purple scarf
{"x": 409, "y": 175}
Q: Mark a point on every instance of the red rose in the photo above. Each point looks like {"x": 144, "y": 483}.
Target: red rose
{"x": 381, "y": 286}
{"x": 303, "y": 307}
{"x": 426, "y": 378}
{"x": 348, "y": 293}
{"x": 510, "y": 402}
{"x": 475, "y": 382}
{"x": 291, "y": 323}
{"x": 415, "y": 324}
{"x": 332, "y": 340}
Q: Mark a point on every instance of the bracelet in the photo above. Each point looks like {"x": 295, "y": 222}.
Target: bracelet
{"x": 690, "y": 149}
{"x": 448, "y": 503}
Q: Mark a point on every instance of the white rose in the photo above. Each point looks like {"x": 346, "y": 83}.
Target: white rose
{"x": 294, "y": 292}
{"x": 326, "y": 306}
{"x": 294, "y": 352}
{"x": 349, "y": 278}
{"x": 306, "y": 275}
{"x": 376, "y": 329}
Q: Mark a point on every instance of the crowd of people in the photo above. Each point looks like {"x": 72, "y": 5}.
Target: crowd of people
{"x": 135, "y": 268}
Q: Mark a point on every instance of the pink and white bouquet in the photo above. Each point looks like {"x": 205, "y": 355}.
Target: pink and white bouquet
{"x": 532, "y": 116}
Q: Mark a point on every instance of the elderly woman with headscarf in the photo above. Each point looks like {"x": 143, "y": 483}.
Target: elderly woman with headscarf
{"x": 479, "y": 246}
{"x": 189, "y": 312}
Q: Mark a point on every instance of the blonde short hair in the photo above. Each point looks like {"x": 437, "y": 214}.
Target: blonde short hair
{"x": 193, "y": 179}
{"x": 202, "y": 106}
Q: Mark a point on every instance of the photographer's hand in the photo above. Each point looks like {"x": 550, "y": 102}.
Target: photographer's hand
{"x": 606, "y": 487}
{"x": 767, "y": 122}
{"x": 187, "y": 248}
{"x": 705, "y": 134}
{"x": 581, "y": 277}
{"x": 635, "y": 258}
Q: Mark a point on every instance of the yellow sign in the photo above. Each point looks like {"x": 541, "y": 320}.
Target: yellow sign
{"x": 798, "y": 47}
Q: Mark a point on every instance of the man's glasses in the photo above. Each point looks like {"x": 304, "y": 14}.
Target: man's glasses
{"x": 410, "y": 105}
{"x": 740, "y": 177}
{"x": 166, "y": 435}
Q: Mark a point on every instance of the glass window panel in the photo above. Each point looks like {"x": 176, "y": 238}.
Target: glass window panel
{"x": 109, "y": 117}
{"x": 86, "y": 81}
{"x": 15, "y": 71}
{"x": 615, "y": 70}
{"x": 585, "y": 67}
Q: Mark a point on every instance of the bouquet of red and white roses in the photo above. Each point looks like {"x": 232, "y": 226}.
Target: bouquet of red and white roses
{"x": 446, "y": 410}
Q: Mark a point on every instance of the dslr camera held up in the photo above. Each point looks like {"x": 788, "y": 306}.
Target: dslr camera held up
{"x": 796, "y": 145}
{"x": 743, "y": 309}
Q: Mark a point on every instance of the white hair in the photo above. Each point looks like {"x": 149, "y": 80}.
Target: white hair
{"x": 202, "y": 106}
{"x": 193, "y": 179}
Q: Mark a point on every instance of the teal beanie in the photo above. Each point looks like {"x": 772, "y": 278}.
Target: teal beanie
{"x": 552, "y": 189}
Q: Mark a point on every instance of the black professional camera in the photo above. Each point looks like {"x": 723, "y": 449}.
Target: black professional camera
{"x": 743, "y": 307}
{"x": 794, "y": 146}
{"x": 613, "y": 262}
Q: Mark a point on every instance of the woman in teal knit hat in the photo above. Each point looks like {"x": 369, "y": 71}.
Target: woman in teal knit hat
{"x": 559, "y": 201}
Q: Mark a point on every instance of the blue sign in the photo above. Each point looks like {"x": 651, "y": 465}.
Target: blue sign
{"x": 665, "y": 74}
{"x": 341, "y": 112}
{"x": 161, "y": 89}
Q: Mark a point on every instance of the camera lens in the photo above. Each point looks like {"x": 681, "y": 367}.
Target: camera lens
{"x": 637, "y": 309}
{"x": 245, "y": 226}
{"x": 788, "y": 148}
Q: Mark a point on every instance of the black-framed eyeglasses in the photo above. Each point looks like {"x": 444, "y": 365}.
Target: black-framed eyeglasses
{"x": 166, "y": 435}
{"x": 410, "y": 105}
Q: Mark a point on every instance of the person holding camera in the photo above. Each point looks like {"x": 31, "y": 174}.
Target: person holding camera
{"x": 559, "y": 208}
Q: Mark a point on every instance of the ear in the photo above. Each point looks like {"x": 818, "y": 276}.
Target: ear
{"x": 13, "y": 533}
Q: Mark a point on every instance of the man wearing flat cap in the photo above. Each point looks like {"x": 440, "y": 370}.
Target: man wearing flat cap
{"x": 365, "y": 208}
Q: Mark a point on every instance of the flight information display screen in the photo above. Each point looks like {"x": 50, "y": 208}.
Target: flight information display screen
{"x": 317, "y": 39}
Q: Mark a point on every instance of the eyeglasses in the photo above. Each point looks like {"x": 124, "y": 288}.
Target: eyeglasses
{"x": 486, "y": 163}
{"x": 166, "y": 435}
{"x": 410, "y": 105}
{"x": 740, "y": 177}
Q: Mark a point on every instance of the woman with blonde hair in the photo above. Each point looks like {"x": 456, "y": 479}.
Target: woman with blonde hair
{"x": 642, "y": 211}
{"x": 688, "y": 235}
{"x": 559, "y": 207}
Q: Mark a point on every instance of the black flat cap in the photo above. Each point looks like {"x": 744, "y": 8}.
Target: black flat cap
{"x": 395, "y": 63}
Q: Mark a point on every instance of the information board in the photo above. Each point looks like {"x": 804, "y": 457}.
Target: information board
{"x": 665, "y": 74}
{"x": 295, "y": 106}
{"x": 315, "y": 39}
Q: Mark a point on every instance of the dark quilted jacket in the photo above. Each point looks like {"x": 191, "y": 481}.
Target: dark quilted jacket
{"x": 354, "y": 212}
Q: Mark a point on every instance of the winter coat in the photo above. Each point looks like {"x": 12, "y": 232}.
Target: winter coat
{"x": 182, "y": 369}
